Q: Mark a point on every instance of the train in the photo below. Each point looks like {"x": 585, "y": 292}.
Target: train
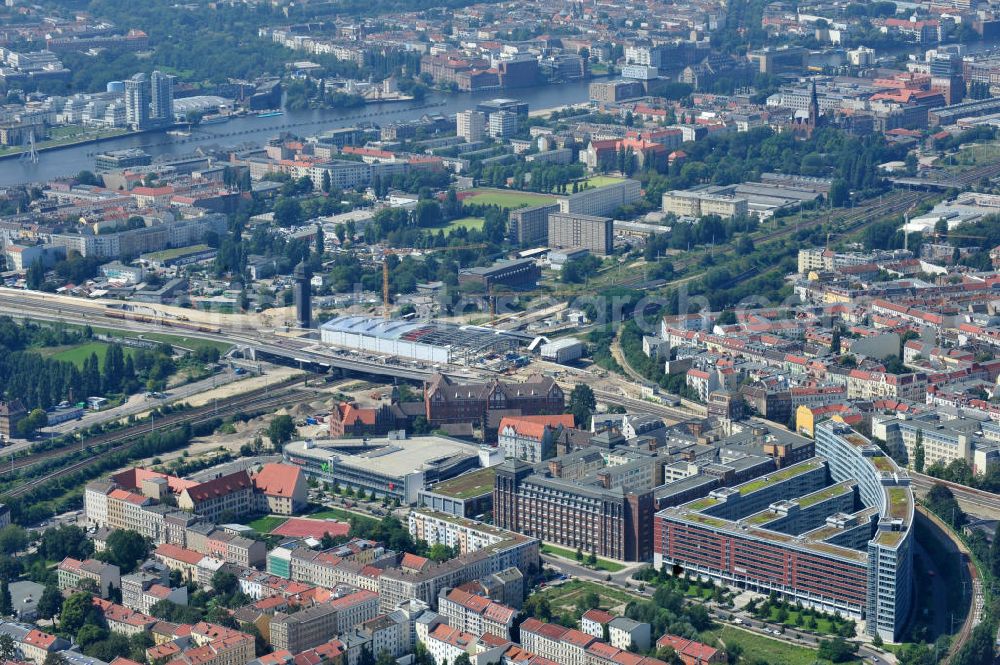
{"x": 166, "y": 323}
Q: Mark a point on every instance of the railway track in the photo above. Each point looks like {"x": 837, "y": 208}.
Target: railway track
{"x": 176, "y": 418}
{"x": 125, "y": 440}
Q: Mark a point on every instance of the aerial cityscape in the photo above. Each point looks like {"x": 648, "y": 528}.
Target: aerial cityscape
{"x": 499, "y": 333}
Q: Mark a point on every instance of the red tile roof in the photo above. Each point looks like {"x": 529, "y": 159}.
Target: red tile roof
{"x": 221, "y": 486}
{"x": 278, "y": 479}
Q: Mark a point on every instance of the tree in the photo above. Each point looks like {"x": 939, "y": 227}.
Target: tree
{"x": 463, "y": 659}
{"x": 582, "y": 404}
{"x": 837, "y": 650}
{"x": 8, "y": 648}
{"x": 50, "y": 603}
{"x": 438, "y": 552}
{"x": 125, "y": 549}
{"x": 840, "y": 193}
{"x": 918, "y": 453}
{"x": 995, "y": 553}
{"x": 6, "y": 605}
{"x": 54, "y": 658}
{"x": 326, "y": 182}
{"x": 835, "y": 341}
{"x": 280, "y": 430}
{"x": 13, "y": 539}
{"x": 225, "y": 583}
{"x": 34, "y": 421}
{"x": 78, "y": 611}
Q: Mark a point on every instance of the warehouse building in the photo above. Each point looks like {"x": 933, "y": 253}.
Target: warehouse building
{"x": 517, "y": 274}
{"x": 431, "y": 342}
{"x": 396, "y": 467}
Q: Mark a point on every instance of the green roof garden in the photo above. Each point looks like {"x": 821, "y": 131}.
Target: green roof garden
{"x": 467, "y": 486}
{"x": 762, "y": 518}
{"x": 889, "y": 538}
{"x": 702, "y": 504}
{"x": 883, "y": 464}
{"x": 899, "y": 502}
{"x": 777, "y": 477}
{"x": 706, "y": 519}
{"x": 822, "y": 495}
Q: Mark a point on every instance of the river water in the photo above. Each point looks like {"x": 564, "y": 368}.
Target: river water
{"x": 254, "y": 130}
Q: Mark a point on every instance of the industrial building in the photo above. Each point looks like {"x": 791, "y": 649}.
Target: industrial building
{"x": 833, "y": 532}
{"x": 517, "y": 274}
{"x": 431, "y": 342}
{"x": 395, "y": 467}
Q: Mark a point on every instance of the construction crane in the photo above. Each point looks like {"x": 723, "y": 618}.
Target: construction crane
{"x": 386, "y": 309}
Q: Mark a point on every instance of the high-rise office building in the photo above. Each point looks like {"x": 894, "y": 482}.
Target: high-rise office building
{"x": 470, "y": 125}
{"x": 137, "y": 102}
{"x": 161, "y": 107}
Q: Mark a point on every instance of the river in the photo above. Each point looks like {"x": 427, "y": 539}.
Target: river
{"x": 254, "y": 130}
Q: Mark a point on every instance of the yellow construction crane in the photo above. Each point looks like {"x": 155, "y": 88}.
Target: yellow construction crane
{"x": 386, "y": 309}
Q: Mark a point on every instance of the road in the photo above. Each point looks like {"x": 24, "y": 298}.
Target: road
{"x": 973, "y": 501}
{"x": 140, "y": 403}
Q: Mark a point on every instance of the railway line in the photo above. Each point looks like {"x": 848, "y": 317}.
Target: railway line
{"x": 123, "y": 440}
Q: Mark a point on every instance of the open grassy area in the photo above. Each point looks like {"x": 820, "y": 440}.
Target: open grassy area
{"x": 468, "y": 485}
{"x": 601, "y": 180}
{"x": 507, "y": 198}
{"x": 469, "y": 223}
{"x": 602, "y": 564}
{"x": 79, "y": 353}
{"x": 174, "y": 252}
{"x": 564, "y": 596}
{"x": 267, "y": 524}
{"x": 193, "y": 343}
{"x": 759, "y": 648}
{"x": 326, "y": 513}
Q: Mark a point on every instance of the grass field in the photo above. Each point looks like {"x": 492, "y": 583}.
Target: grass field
{"x": 602, "y": 564}
{"x": 507, "y": 198}
{"x": 470, "y": 223}
{"x": 338, "y": 514}
{"x": 267, "y": 524}
{"x": 564, "y": 596}
{"x": 78, "y": 354}
{"x": 601, "y": 180}
{"x": 173, "y": 253}
{"x": 759, "y": 648}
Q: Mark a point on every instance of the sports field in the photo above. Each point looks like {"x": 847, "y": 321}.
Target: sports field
{"x": 507, "y": 198}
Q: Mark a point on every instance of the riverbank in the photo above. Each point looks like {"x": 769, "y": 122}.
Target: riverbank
{"x": 58, "y": 144}
{"x": 252, "y": 130}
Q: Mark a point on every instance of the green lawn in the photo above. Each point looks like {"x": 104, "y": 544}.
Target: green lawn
{"x": 507, "y": 198}
{"x": 602, "y": 564}
{"x": 79, "y": 353}
{"x": 601, "y": 180}
{"x": 564, "y": 596}
{"x": 267, "y": 524}
{"x": 338, "y": 514}
{"x": 823, "y": 624}
{"x": 174, "y": 252}
{"x": 759, "y": 648}
{"x": 166, "y": 338}
{"x": 469, "y": 223}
